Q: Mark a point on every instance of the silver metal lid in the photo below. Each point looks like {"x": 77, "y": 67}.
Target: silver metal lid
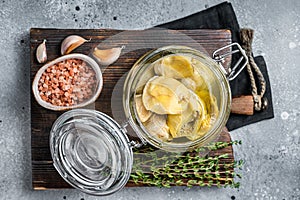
{"x": 91, "y": 151}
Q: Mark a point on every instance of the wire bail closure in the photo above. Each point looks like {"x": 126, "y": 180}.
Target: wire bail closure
{"x": 238, "y": 67}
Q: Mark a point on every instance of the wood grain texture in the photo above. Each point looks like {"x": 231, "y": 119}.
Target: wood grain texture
{"x": 137, "y": 43}
{"x": 243, "y": 105}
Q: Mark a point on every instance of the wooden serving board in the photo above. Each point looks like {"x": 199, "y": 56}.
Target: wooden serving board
{"x": 137, "y": 43}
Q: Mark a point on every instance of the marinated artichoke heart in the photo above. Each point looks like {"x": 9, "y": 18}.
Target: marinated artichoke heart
{"x": 163, "y": 95}
{"x": 147, "y": 74}
{"x": 188, "y": 122}
{"x": 174, "y": 66}
{"x": 189, "y": 83}
{"x": 157, "y": 126}
{"x": 200, "y": 83}
{"x": 210, "y": 102}
{"x": 142, "y": 112}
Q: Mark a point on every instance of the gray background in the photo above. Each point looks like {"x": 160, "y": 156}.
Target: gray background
{"x": 270, "y": 148}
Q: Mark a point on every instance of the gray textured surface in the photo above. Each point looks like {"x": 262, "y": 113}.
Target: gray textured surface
{"x": 270, "y": 148}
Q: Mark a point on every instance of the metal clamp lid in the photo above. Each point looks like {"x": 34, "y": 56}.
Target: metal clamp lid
{"x": 238, "y": 67}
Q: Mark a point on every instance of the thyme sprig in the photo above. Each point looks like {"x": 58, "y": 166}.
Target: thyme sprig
{"x": 164, "y": 169}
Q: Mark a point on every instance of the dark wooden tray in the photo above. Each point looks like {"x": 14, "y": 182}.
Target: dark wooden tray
{"x": 44, "y": 176}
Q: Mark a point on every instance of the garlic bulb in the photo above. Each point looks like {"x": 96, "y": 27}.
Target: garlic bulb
{"x": 41, "y": 52}
{"x": 107, "y": 56}
{"x": 70, "y": 43}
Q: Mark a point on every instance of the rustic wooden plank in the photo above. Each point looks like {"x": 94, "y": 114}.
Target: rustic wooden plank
{"x": 44, "y": 176}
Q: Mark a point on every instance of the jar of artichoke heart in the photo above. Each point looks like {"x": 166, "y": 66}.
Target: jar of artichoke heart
{"x": 176, "y": 98}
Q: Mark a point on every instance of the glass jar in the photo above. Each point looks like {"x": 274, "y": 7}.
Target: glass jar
{"x": 210, "y": 71}
{"x": 92, "y": 152}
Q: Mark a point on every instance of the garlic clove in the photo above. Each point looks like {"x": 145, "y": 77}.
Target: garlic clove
{"x": 41, "y": 52}
{"x": 70, "y": 43}
{"x": 107, "y": 56}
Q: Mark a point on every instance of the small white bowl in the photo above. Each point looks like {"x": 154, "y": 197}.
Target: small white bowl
{"x": 91, "y": 62}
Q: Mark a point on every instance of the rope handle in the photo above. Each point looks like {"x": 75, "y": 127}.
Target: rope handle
{"x": 260, "y": 102}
